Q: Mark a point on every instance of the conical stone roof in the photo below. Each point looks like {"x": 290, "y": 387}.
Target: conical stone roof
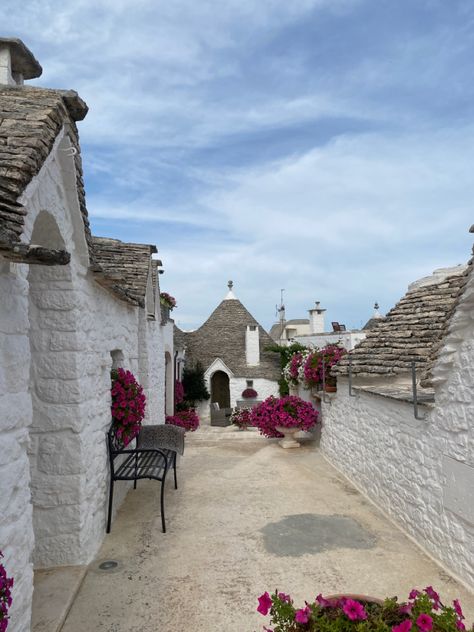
{"x": 223, "y": 336}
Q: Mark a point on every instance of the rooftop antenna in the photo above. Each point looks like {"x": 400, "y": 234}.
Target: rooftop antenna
{"x": 280, "y": 311}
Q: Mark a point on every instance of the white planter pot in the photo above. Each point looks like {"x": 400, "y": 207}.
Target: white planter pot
{"x": 288, "y": 440}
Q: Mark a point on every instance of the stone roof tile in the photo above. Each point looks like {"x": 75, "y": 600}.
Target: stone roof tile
{"x": 410, "y": 331}
{"x": 223, "y": 336}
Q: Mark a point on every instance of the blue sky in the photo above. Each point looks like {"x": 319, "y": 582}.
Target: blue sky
{"x": 321, "y": 146}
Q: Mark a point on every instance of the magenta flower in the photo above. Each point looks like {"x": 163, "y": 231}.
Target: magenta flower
{"x": 284, "y": 597}
{"x": 264, "y": 603}
{"x": 406, "y": 608}
{"x": 460, "y": 625}
{"x": 303, "y": 615}
{"x": 414, "y": 594}
{"x": 457, "y": 607}
{"x": 354, "y": 610}
{"x": 324, "y": 603}
{"x": 432, "y": 594}
{"x": 405, "y": 626}
{"x": 424, "y": 623}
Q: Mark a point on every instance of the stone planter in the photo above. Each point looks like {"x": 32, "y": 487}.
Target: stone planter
{"x": 362, "y": 598}
{"x": 288, "y": 440}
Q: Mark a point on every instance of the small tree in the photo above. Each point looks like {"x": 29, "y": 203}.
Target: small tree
{"x": 194, "y": 385}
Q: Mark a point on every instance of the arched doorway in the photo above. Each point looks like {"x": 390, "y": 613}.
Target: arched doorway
{"x": 220, "y": 389}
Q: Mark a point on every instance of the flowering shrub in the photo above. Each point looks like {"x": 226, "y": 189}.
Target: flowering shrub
{"x": 187, "y": 419}
{"x": 241, "y": 418}
{"x": 326, "y": 357}
{"x": 128, "y": 405}
{"x": 6, "y": 584}
{"x": 291, "y": 370}
{"x": 423, "y": 612}
{"x": 288, "y": 411}
{"x": 178, "y": 392}
{"x": 167, "y": 300}
{"x": 249, "y": 393}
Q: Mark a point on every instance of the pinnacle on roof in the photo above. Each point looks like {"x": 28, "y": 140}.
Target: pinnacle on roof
{"x": 230, "y": 296}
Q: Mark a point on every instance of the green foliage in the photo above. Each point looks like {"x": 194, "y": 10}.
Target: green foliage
{"x": 285, "y": 354}
{"x": 194, "y": 385}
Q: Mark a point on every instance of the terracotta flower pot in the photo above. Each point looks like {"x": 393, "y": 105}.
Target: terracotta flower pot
{"x": 329, "y": 388}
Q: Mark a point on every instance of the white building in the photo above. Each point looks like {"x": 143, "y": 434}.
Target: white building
{"x": 231, "y": 346}
{"x": 417, "y": 465}
{"x": 311, "y": 332}
{"x": 72, "y": 307}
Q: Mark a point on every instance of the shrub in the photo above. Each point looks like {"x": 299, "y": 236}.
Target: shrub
{"x": 194, "y": 385}
{"x": 178, "y": 392}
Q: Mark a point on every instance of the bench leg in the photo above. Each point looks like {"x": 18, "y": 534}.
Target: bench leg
{"x": 111, "y": 498}
{"x": 163, "y": 525}
{"x": 174, "y": 467}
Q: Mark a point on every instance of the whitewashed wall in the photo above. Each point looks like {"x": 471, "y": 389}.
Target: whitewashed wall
{"x": 57, "y": 331}
{"x": 399, "y": 462}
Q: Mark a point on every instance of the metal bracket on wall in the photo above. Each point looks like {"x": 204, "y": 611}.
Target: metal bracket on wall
{"x": 351, "y": 394}
{"x": 415, "y": 395}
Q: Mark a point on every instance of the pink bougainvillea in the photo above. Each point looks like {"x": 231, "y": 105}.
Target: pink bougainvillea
{"x": 187, "y": 419}
{"x": 289, "y": 412}
{"x": 291, "y": 372}
{"x": 167, "y": 300}
{"x": 128, "y": 405}
{"x": 6, "y": 584}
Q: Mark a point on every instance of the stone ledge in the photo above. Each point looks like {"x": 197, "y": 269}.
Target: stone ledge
{"x": 54, "y": 592}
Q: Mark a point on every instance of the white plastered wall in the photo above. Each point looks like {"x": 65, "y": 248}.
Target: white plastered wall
{"x": 57, "y": 331}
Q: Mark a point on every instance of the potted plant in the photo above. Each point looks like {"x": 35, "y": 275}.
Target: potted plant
{"x": 249, "y": 393}
{"x": 168, "y": 303}
{"x": 283, "y": 417}
{"x": 6, "y": 584}
{"x": 128, "y": 405}
{"x": 423, "y": 612}
{"x": 241, "y": 418}
{"x": 187, "y": 419}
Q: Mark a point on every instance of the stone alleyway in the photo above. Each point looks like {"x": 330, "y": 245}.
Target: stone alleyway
{"x": 247, "y": 517}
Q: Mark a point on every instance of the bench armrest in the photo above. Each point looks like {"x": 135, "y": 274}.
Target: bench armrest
{"x": 164, "y": 436}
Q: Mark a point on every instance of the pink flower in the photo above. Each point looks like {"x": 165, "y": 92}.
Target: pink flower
{"x": 432, "y": 594}
{"x": 414, "y": 594}
{"x": 457, "y": 607}
{"x": 324, "y": 603}
{"x": 405, "y": 626}
{"x": 303, "y": 615}
{"x": 284, "y": 597}
{"x": 406, "y": 608}
{"x": 354, "y": 610}
{"x": 264, "y": 603}
{"x": 460, "y": 625}
{"x": 424, "y": 623}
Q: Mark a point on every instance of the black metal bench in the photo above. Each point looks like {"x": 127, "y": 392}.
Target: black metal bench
{"x": 155, "y": 453}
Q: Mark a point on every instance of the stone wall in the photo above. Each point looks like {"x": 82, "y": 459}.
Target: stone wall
{"x": 58, "y": 330}
{"x": 402, "y": 463}
{"x": 16, "y": 531}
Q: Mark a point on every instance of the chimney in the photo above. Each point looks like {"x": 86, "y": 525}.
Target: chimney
{"x": 316, "y": 319}
{"x": 252, "y": 345}
{"x": 17, "y": 62}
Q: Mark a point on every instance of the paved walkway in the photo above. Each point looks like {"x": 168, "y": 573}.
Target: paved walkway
{"x": 248, "y": 517}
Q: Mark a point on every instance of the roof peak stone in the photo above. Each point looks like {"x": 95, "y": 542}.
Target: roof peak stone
{"x": 230, "y": 296}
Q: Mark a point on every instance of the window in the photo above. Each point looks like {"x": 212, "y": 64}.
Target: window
{"x": 249, "y": 383}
